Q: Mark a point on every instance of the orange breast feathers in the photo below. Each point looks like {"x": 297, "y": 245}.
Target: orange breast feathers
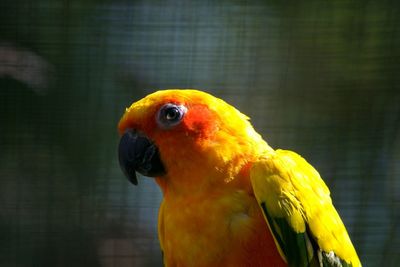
{"x": 218, "y": 229}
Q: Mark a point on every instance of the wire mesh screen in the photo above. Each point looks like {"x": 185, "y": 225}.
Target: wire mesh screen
{"x": 319, "y": 77}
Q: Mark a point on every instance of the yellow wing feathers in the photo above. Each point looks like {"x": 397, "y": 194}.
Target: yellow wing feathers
{"x": 291, "y": 189}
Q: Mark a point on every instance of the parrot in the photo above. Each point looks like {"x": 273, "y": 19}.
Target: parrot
{"x": 229, "y": 199}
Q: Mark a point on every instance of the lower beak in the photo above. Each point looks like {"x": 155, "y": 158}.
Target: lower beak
{"x": 137, "y": 153}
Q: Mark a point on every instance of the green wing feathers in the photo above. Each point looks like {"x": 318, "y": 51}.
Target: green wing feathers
{"x": 298, "y": 209}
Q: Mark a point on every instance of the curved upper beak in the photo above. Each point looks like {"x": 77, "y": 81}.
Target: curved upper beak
{"x": 137, "y": 153}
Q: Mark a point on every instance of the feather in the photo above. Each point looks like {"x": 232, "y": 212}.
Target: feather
{"x": 298, "y": 209}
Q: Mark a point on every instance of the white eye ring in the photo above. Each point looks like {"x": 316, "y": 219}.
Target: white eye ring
{"x": 170, "y": 115}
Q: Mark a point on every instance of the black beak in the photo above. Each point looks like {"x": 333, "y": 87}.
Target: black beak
{"x": 137, "y": 153}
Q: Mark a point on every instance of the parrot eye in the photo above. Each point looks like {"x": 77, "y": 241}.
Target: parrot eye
{"x": 170, "y": 115}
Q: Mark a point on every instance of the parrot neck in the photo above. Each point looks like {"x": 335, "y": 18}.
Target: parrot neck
{"x": 211, "y": 166}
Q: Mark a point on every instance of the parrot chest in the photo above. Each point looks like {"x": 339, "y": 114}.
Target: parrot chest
{"x": 217, "y": 230}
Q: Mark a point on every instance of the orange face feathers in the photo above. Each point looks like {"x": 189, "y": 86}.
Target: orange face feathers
{"x": 196, "y": 128}
{"x": 205, "y": 114}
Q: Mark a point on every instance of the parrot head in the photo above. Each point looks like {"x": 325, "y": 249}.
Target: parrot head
{"x": 177, "y": 134}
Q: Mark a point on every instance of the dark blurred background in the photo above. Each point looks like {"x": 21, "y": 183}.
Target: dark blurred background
{"x": 317, "y": 77}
